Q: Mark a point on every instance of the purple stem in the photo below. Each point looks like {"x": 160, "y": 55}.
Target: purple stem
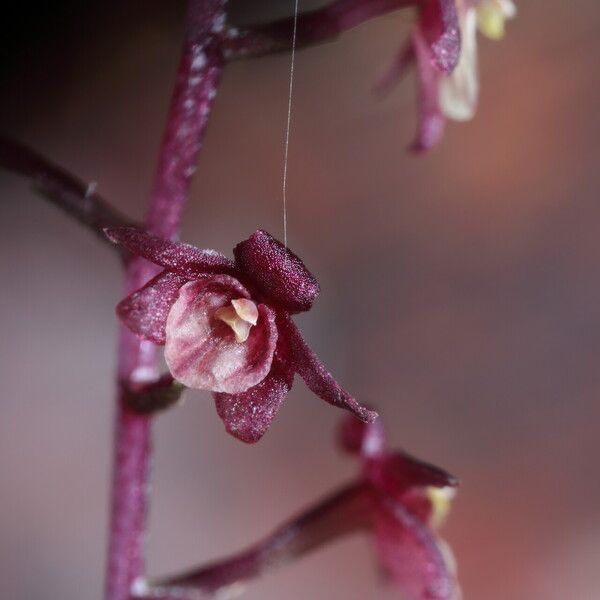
{"x": 344, "y": 512}
{"x": 64, "y": 190}
{"x": 198, "y": 76}
{"x": 314, "y": 27}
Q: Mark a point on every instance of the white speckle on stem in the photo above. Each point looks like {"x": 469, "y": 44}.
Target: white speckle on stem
{"x": 231, "y": 591}
{"x": 91, "y": 189}
{"x": 218, "y": 23}
{"x": 199, "y": 60}
{"x": 143, "y": 374}
{"x": 140, "y": 587}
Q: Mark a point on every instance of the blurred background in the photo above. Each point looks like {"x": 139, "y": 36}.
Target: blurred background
{"x": 461, "y": 296}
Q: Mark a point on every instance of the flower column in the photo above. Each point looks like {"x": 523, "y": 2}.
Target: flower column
{"x": 195, "y": 88}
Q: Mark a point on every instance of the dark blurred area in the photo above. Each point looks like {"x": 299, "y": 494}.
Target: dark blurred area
{"x": 461, "y": 296}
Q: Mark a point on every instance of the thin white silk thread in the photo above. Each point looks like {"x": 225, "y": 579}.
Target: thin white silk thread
{"x": 289, "y": 121}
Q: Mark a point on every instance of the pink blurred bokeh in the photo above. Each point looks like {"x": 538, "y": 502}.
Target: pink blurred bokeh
{"x": 461, "y": 296}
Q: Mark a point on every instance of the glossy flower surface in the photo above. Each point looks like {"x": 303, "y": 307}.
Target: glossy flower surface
{"x": 227, "y": 325}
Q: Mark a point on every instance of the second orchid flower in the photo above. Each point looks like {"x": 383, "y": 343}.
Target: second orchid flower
{"x": 443, "y": 47}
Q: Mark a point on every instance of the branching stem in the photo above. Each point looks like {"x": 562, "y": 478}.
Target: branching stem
{"x": 341, "y": 513}
{"x": 314, "y": 27}
{"x": 78, "y": 199}
{"x": 206, "y": 47}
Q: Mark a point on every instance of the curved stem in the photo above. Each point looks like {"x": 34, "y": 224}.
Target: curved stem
{"x": 314, "y": 27}
{"x": 342, "y": 513}
{"x": 66, "y": 191}
{"x": 195, "y": 88}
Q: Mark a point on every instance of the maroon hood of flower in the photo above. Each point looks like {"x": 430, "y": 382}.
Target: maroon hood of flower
{"x": 394, "y": 472}
{"x": 227, "y": 326}
{"x": 277, "y": 272}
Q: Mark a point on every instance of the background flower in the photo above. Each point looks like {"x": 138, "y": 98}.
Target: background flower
{"x": 412, "y": 499}
{"x": 450, "y": 92}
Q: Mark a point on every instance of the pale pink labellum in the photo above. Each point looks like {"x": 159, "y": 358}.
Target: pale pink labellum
{"x": 201, "y": 350}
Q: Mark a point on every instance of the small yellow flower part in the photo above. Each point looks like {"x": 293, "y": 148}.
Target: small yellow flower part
{"x": 492, "y": 15}
{"x": 441, "y": 499}
{"x": 240, "y": 315}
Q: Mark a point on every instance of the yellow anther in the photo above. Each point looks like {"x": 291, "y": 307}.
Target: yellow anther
{"x": 492, "y": 16}
{"x": 441, "y": 499}
{"x": 240, "y": 315}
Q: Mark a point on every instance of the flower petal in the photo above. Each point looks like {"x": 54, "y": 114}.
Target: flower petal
{"x": 418, "y": 562}
{"x": 390, "y": 78}
{"x": 183, "y": 259}
{"x": 201, "y": 351}
{"x": 277, "y": 272}
{"x": 431, "y": 120}
{"x": 459, "y": 91}
{"x": 440, "y": 27}
{"x": 145, "y": 311}
{"x": 316, "y": 376}
{"x": 247, "y": 415}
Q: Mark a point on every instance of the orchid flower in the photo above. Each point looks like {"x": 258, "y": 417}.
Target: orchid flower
{"x": 398, "y": 500}
{"x": 411, "y": 501}
{"x": 448, "y": 93}
{"x": 227, "y": 325}
{"x": 443, "y": 46}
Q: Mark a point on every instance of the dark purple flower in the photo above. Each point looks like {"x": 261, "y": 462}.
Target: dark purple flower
{"x": 409, "y": 501}
{"x": 227, "y": 327}
{"x": 443, "y": 47}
